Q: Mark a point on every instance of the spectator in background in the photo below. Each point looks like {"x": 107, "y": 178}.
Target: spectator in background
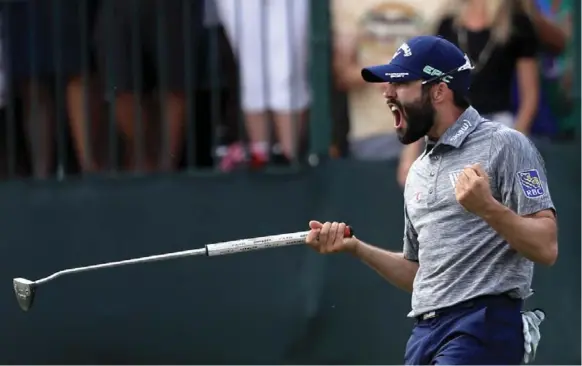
{"x": 88, "y": 130}
{"x": 270, "y": 41}
{"x": 43, "y": 44}
{"x": 136, "y": 39}
{"x": 501, "y": 42}
{"x": 553, "y": 23}
{"x": 216, "y": 94}
{"x": 552, "y": 20}
{"x": 368, "y": 32}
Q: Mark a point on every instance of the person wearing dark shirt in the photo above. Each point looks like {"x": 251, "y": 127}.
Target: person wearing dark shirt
{"x": 501, "y": 42}
{"x": 553, "y": 23}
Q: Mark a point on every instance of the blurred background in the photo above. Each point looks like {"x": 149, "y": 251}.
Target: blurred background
{"x": 148, "y": 86}
{"x": 129, "y": 127}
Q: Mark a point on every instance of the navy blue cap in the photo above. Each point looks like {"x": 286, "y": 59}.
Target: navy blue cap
{"x": 425, "y": 58}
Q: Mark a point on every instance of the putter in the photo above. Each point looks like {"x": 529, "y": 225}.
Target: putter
{"x": 25, "y": 289}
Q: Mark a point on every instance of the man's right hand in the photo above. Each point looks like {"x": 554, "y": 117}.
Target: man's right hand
{"x": 329, "y": 238}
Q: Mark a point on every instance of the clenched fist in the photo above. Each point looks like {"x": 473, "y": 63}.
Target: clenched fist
{"x": 330, "y": 238}
{"x": 472, "y": 190}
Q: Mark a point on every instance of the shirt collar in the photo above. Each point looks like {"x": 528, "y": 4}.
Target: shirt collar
{"x": 463, "y": 126}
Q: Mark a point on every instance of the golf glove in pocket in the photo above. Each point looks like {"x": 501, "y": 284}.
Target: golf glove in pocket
{"x": 531, "y": 332}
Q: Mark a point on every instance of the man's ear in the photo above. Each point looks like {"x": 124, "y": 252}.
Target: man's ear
{"x": 439, "y": 92}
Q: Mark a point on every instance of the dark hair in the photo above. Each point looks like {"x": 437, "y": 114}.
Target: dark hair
{"x": 461, "y": 101}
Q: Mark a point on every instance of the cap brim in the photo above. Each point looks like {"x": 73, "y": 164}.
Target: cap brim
{"x": 389, "y": 73}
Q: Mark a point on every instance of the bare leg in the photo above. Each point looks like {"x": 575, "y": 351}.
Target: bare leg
{"x": 258, "y": 131}
{"x": 175, "y": 113}
{"x": 93, "y": 145}
{"x": 290, "y": 129}
{"x": 39, "y": 124}
{"x": 126, "y": 118}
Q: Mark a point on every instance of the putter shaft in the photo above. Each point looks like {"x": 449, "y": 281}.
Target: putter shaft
{"x": 151, "y": 258}
{"x": 25, "y": 289}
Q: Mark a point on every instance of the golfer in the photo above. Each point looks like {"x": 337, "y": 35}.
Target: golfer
{"x": 477, "y": 215}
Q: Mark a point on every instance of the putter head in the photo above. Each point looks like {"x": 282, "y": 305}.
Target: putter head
{"x": 24, "y": 290}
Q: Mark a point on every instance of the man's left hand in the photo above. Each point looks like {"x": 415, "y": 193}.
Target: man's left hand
{"x": 472, "y": 190}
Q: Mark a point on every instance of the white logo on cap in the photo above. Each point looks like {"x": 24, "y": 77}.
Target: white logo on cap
{"x": 396, "y": 74}
{"x": 467, "y": 65}
{"x": 405, "y": 48}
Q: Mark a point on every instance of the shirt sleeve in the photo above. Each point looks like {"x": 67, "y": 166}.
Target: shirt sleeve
{"x": 520, "y": 173}
{"x": 524, "y": 39}
{"x": 410, "y": 239}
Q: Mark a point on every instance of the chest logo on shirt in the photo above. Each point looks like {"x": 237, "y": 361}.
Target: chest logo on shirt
{"x": 453, "y": 176}
{"x": 531, "y": 184}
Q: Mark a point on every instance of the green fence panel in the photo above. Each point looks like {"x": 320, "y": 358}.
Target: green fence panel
{"x": 321, "y": 77}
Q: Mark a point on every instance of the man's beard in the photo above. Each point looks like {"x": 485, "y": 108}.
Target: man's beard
{"x": 419, "y": 119}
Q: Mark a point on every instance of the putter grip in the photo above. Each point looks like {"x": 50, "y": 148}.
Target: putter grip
{"x": 264, "y": 242}
{"x": 349, "y": 232}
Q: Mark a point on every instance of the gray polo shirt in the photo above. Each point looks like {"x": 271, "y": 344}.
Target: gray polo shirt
{"x": 460, "y": 256}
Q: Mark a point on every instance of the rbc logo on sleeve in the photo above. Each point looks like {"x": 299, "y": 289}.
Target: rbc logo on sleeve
{"x": 531, "y": 184}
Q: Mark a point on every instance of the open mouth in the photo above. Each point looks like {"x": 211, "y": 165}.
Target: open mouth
{"x": 397, "y": 113}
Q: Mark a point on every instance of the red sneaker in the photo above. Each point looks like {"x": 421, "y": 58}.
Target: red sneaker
{"x": 258, "y": 160}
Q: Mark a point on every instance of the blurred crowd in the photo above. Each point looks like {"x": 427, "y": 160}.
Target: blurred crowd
{"x": 160, "y": 85}
{"x": 521, "y": 49}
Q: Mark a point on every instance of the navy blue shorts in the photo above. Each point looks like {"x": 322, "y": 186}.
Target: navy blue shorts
{"x": 483, "y": 331}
